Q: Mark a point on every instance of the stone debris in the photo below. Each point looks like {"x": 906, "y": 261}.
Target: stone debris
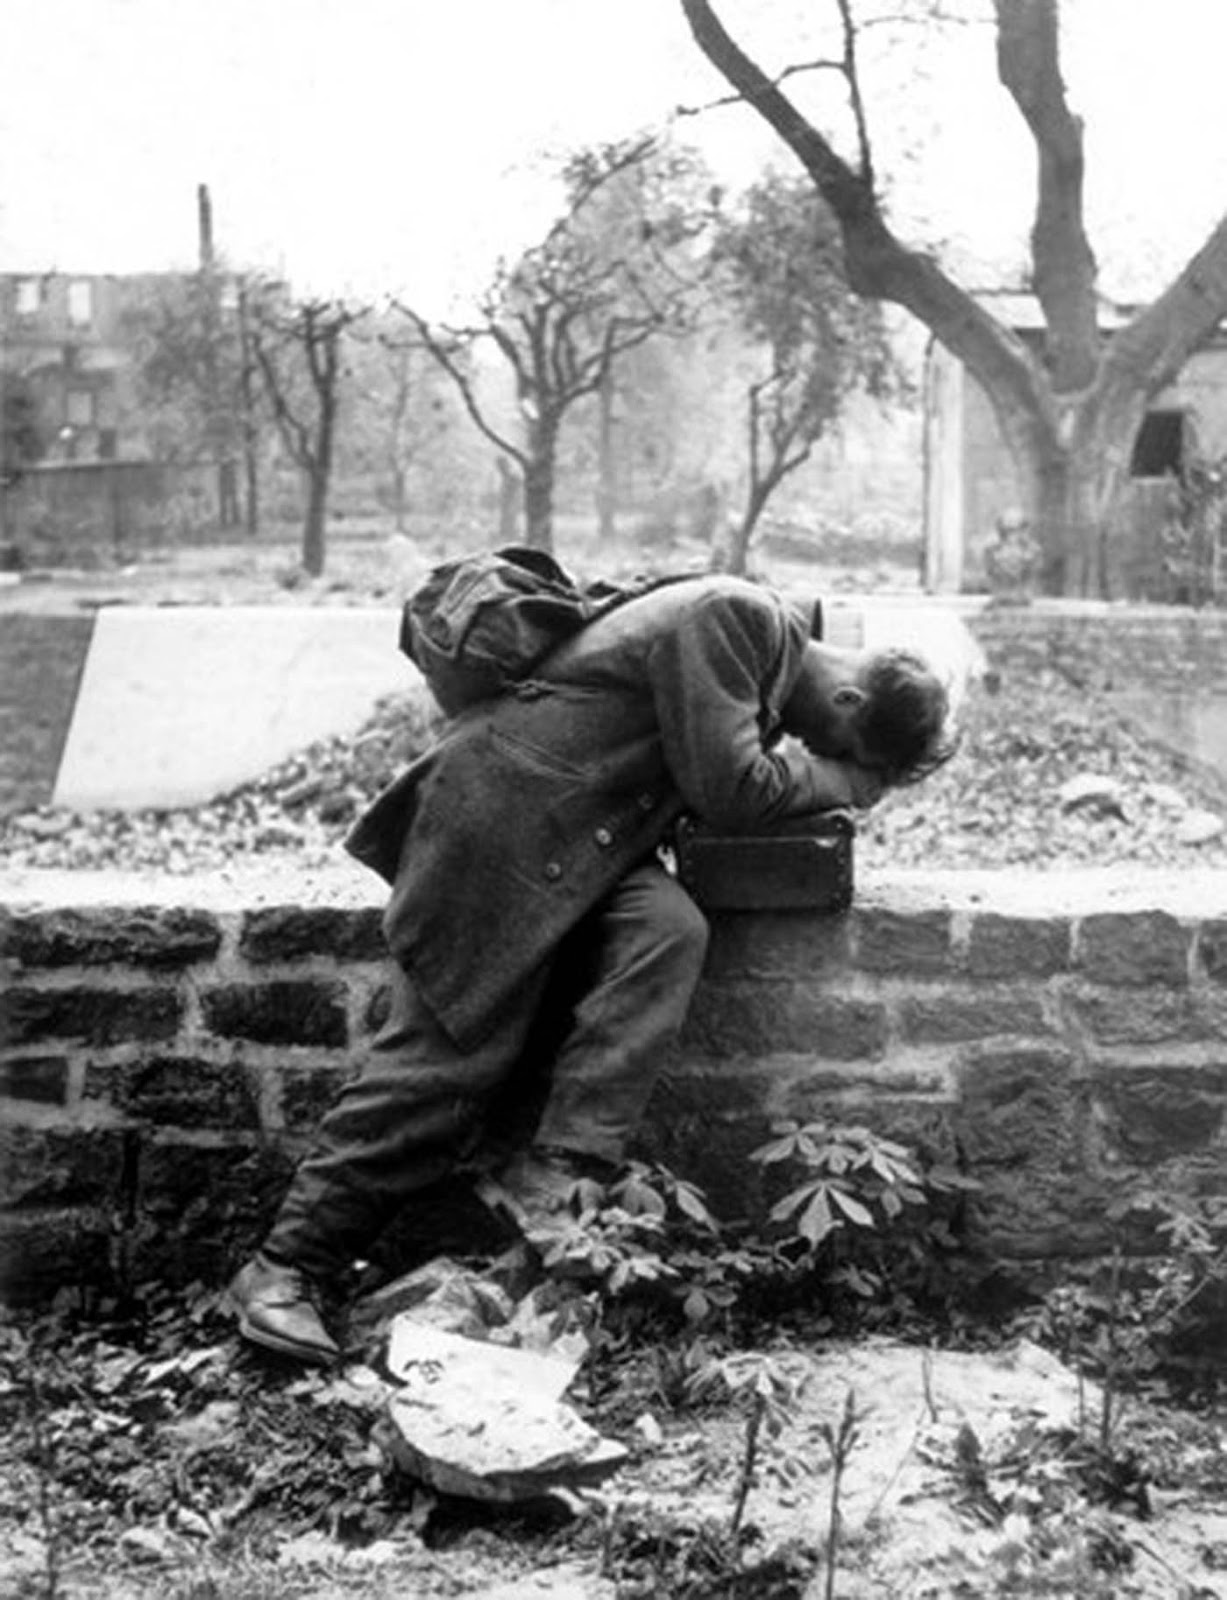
{"x": 487, "y": 1421}
{"x": 1166, "y": 797}
{"x": 1197, "y": 827}
{"x": 1090, "y": 792}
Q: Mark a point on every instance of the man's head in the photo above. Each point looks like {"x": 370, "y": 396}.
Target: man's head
{"x": 886, "y": 710}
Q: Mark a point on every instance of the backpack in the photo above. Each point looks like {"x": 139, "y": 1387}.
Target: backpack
{"x": 480, "y": 624}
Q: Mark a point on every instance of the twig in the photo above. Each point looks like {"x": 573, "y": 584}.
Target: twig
{"x": 43, "y": 1462}
{"x": 926, "y": 1378}
{"x": 840, "y": 1442}
{"x": 753, "y": 1429}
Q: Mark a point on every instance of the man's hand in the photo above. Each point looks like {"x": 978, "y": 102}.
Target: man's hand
{"x": 866, "y": 783}
{"x": 845, "y": 783}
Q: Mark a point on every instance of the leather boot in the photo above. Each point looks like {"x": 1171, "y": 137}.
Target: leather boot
{"x": 277, "y": 1307}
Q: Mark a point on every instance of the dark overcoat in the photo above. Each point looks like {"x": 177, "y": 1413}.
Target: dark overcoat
{"x": 530, "y": 808}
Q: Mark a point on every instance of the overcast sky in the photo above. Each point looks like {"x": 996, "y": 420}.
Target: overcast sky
{"x": 374, "y": 146}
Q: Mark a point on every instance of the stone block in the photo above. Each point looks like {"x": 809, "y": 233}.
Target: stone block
{"x": 202, "y": 1209}
{"x": 1018, "y": 1106}
{"x": 898, "y": 1074}
{"x": 745, "y": 1018}
{"x": 718, "y": 1093}
{"x": 1212, "y": 950}
{"x": 158, "y": 937}
{"x": 40, "y": 1078}
{"x": 1017, "y": 947}
{"x": 1129, "y": 948}
{"x": 42, "y": 1252}
{"x": 1039, "y": 1214}
{"x": 1157, "y": 1114}
{"x": 712, "y": 1153}
{"x": 293, "y": 933}
{"x": 307, "y": 1093}
{"x": 1135, "y": 1016}
{"x": 944, "y": 1016}
{"x": 33, "y": 1014}
{"x": 62, "y": 1166}
{"x": 182, "y": 1091}
{"x": 904, "y": 943}
{"x": 289, "y": 1012}
{"x": 190, "y": 1185}
{"x": 784, "y": 944}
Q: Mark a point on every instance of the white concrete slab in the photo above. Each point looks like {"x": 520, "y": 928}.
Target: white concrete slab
{"x": 179, "y": 704}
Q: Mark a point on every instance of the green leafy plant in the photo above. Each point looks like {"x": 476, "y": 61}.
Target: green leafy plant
{"x": 652, "y": 1232}
{"x": 859, "y": 1196}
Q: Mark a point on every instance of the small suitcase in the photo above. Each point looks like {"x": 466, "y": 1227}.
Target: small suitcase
{"x": 800, "y": 866}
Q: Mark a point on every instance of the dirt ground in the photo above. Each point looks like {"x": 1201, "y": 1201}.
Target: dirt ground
{"x": 207, "y": 1474}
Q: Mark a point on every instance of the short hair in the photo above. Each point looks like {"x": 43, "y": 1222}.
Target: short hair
{"x": 903, "y": 722}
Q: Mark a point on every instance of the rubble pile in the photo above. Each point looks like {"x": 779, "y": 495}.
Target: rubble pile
{"x": 1048, "y": 775}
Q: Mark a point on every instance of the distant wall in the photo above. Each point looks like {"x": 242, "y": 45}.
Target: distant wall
{"x": 1062, "y": 1040}
{"x": 77, "y": 513}
{"x": 1163, "y": 667}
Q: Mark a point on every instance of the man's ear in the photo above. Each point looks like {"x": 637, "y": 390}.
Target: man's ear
{"x": 848, "y": 697}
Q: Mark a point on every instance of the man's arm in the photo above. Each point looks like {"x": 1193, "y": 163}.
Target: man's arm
{"x": 708, "y": 678}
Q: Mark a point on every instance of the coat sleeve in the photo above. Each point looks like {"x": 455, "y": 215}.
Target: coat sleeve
{"x": 712, "y": 677}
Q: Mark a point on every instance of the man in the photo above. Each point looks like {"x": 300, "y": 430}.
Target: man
{"x": 525, "y": 845}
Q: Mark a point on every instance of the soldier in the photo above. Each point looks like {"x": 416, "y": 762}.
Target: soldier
{"x": 525, "y": 844}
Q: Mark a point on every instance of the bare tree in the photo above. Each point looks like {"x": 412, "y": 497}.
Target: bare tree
{"x": 779, "y": 262}
{"x": 195, "y": 376}
{"x": 1069, "y": 411}
{"x": 564, "y": 314}
{"x": 297, "y": 347}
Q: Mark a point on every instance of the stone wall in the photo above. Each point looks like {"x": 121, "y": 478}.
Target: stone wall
{"x": 1063, "y": 1039}
{"x": 1165, "y": 650}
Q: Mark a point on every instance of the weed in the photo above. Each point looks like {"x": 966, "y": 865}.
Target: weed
{"x": 840, "y": 1441}
{"x": 760, "y": 1387}
{"x": 1122, "y": 1326}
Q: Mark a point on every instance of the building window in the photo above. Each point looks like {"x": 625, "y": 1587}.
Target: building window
{"x": 29, "y": 297}
{"x": 1159, "y": 447}
{"x": 79, "y": 408}
{"x": 81, "y": 303}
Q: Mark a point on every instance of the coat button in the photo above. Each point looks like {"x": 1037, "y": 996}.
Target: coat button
{"x": 603, "y": 837}
{"x": 553, "y": 871}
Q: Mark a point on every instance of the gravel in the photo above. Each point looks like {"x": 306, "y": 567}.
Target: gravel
{"x": 1018, "y": 793}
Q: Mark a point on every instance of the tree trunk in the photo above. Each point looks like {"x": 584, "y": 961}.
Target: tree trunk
{"x": 1069, "y": 473}
{"x": 251, "y": 474}
{"x": 250, "y": 429}
{"x": 607, "y": 485}
{"x": 227, "y": 494}
{"x": 510, "y": 496}
{"x": 539, "y": 473}
{"x": 313, "y": 527}
{"x": 400, "y": 495}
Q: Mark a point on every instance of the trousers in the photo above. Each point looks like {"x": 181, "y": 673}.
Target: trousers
{"x": 578, "y": 1053}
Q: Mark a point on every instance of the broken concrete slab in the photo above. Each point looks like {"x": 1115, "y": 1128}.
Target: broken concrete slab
{"x": 487, "y": 1421}
{"x": 178, "y": 704}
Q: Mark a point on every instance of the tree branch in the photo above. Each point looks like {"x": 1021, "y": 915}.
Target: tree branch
{"x": 460, "y": 378}
{"x": 878, "y": 265}
{"x": 1028, "y": 64}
